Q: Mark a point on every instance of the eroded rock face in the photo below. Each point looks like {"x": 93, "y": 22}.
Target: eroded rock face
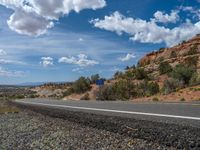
{"x": 174, "y": 55}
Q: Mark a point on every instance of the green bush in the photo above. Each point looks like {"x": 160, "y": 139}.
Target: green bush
{"x": 193, "y": 50}
{"x": 141, "y": 74}
{"x": 68, "y": 92}
{"x": 33, "y": 96}
{"x": 147, "y": 88}
{"x": 161, "y": 49}
{"x": 155, "y": 99}
{"x": 118, "y": 74}
{"x": 171, "y": 85}
{"x": 81, "y": 85}
{"x": 153, "y": 88}
{"x": 183, "y": 73}
{"x": 105, "y": 93}
{"x": 182, "y": 99}
{"x": 94, "y": 78}
{"x": 173, "y": 54}
{"x": 133, "y": 67}
{"x": 123, "y": 89}
{"x": 192, "y": 61}
{"x": 164, "y": 68}
{"x": 130, "y": 74}
{"x": 161, "y": 59}
{"x": 127, "y": 68}
{"x": 19, "y": 96}
{"x": 183, "y": 42}
{"x": 195, "y": 80}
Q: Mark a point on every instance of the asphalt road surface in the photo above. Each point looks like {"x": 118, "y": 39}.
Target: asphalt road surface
{"x": 179, "y": 113}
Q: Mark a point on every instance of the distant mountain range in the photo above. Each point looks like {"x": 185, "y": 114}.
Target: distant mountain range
{"x": 31, "y": 83}
{"x": 27, "y": 84}
{"x": 38, "y": 83}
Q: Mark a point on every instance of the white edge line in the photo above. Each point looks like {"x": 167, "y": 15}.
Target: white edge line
{"x": 114, "y": 111}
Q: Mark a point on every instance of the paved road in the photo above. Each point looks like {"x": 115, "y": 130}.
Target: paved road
{"x": 180, "y": 113}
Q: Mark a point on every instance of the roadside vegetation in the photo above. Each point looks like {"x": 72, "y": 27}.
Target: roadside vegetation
{"x": 164, "y": 68}
{"x": 136, "y": 82}
{"x": 163, "y": 75}
{"x": 10, "y": 93}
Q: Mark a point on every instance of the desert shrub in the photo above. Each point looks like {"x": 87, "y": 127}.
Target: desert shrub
{"x": 193, "y": 50}
{"x": 105, "y": 93}
{"x": 139, "y": 64}
{"x": 147, "y": 62}
{"x": 85, "y": 97}
{"x": 183, "y": 73}
{"x": 19, "y": 96}
{"x": 68, "y": 92}
{"x": 33, "y": 96}
{"x": 171, "y": 85}
{"x": 182, "y": 99}
{"x": 94, "y": 78}
{"x": 192, "y": 61}
{"x": 147, "y": 88}
{"x": 161, "y": 59}
{"x": 81, "y": 85}
{"x": 127, "y": 68}
{"x": 141, "y": 74}
{"x": 195, "y": 79}
{"x": 130, "y": 74}
{"x": 183, "y": 42}
{"x": 133, "y": 67}
{"x": 123, "y": 89}
{"x": 196, "y": 89}
{"x": 118, "y": 74}
{"x": 155, "y": 99}
{"x": 161, "y": 49}
{"x": 164, "y": 68}
{"x": 173, "y": 54}
{"x": 153, "y": 88}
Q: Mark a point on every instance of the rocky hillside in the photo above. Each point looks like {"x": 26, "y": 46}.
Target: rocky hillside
{"x": 182, "y": 53}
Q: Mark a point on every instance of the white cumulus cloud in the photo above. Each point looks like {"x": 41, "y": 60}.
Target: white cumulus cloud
{"x": 191, "y": 11}
{"x": 128, "y": 57}
{"x": 47, "y": 61}
{"x": 81, "y": 60}
{"x": 34, "y": 17}
{"x": 28, "y": 23}
{"x": 159, "y": 16}
{"x": 147, "y": 31}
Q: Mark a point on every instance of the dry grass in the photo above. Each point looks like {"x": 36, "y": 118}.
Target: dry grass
{"x": 5, "y": 108}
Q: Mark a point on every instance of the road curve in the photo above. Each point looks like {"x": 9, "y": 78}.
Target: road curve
{"x": 179, "y": 113}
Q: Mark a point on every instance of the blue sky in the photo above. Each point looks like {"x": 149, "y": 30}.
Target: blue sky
{"x": 43, "y": 41}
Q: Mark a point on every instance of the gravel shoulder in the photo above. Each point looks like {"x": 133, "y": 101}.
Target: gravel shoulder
{"x": 29, "y": 130}
{"x": 43, "y": 128}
